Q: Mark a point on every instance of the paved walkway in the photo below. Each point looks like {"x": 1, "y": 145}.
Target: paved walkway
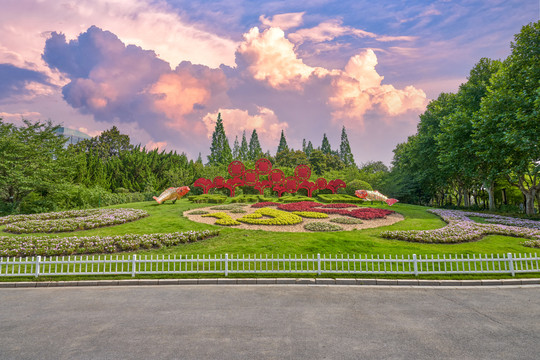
{"x": 270, "y": 322}
{"x": 276, "y": 281}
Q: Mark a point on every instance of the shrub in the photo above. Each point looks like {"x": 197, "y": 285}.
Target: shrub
{"x": 322, "y": 226}
{"x": 354, "y": 185}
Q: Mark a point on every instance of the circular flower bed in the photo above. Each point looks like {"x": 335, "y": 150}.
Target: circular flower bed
{"x": 69, "y": 220}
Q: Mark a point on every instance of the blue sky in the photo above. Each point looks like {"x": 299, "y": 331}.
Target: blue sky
{"x": 162, "y": 70}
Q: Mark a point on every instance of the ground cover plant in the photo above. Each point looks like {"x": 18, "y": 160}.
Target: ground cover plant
{"x": 69, "y": 220}
{"x": 363, "y": 213}
{"x": 322, "y": 227}
{"x": 167, "y": 218}
{"x": 461, "y": 228}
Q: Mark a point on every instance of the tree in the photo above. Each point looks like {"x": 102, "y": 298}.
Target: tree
{"x": 290, "y": 158}
{"x": 236, "y": 149}
{"x": 108, "y": 144}
{"x": 512, "y": 108}
{"x": 345, "y": 153}
{"x": 255, "y": 150}
{"x": 309, "y": 149}
{"x": 304, "y": 145}
{"x": 325, "y": 146}
{"x": 282, "y": 143}
{"x": 220, "y": 151}
{"x": 457, "y": 155}
{"x": 318, "y": 161}
{"x": 243, "y": 153}
{"x": 32, "y": 160}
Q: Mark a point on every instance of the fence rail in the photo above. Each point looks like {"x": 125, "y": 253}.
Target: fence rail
{"x": 269, "y": 264}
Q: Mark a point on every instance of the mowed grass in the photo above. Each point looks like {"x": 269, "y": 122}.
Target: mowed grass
{"x": 168, "y": 217}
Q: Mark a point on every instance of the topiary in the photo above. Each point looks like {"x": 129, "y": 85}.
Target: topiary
{"x": 354, "y": 185}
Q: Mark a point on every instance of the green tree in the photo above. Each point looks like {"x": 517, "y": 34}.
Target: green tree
{"x": 32, "y": 160}
{"x": 255, "y": 150}
{"x": 508, "y": 129}
{"x": 345, "y": 153}
{"x": 236, "y": 149}
{"x": 282, "y": 143}
{"x": 109, "y": 143}
{"x": 220, "y": 151}
{"x": 309, "y": 149}
{"x": 325, "y": 146}
{"x": 457, "y": 154}
{"x": 243, "y": 153}
{"x": 318, "y": 162}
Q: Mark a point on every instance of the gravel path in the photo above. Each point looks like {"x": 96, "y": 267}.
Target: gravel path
{"x": 366, "y": 224}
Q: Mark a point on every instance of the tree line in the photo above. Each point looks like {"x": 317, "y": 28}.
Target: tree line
{"x": 482, "y": 138}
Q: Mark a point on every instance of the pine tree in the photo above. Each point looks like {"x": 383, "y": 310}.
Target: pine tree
{"x": 255, "y": 150}
{"x": 243, "y": 153}
{"x": 304, "y": 145}
{"x": 220, "y": 151}
{"x": 309, "y": 149}
{"x": 199, "y": 159}
{"x": 325, "y": 147}
{"x": 345, "y": 153}
{"x": 236, "y": 149}
{"x": 282, "y": 143}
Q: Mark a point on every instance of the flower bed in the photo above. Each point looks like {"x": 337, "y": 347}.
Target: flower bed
{"x": 277, "y": 217}
{"x": 338, "y": 206}
{"x": 316, "y": 226}
{"x": 359, "y": 213}
{"x": 222, "y": 219}
{"x": 310, "y": 214}
{"x": 462, "y": 229}
{"x": 346, "y": 220}
{"x": 69, "y": 220}
{"x": 49, "y": 246}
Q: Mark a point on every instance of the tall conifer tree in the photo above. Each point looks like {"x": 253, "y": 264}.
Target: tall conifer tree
{"x": 236, "y": 149}
{"x": 325, "y": 147}
{"x": 243, "y": 154}
{"x": 309, "y": 149}
{"x": 282, "y": 143}
{"x": 220, "y": 151}
{"x": 345, "y": 153}
{"x": 255, "y": 150}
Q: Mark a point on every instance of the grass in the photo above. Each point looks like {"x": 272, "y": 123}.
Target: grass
{"x": 168, "y": 217}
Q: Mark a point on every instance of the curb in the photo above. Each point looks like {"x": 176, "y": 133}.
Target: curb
{"x": 276, "y": 281}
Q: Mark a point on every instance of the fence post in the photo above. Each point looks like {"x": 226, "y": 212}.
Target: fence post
{"x": 318, "y": 264}
{"x": 226, "y": 264}
{"x": 133, "y": 261}
{"x": 415, "y": 264}
{"x": 511, "y": 264}
{"x": 38, "y": 260}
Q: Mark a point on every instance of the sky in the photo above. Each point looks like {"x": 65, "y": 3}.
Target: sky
{"x": 161, "y": 71}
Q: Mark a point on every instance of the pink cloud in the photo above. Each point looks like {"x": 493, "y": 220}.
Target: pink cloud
{"x": 160, "y": 145}
{"x": 283, "y": 21}
{"x": 271, "y": 58}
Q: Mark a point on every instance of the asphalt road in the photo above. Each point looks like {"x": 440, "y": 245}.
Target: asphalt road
{"x": 269, "y": 322}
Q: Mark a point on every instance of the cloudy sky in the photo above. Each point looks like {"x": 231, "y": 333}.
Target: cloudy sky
{"x": 162, "y": 70}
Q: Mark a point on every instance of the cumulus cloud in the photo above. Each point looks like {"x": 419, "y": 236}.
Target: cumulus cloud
{"x": 283, "y": 21}
{"x": 160, "y": 145}
{"x": 235, "y": 121}
{"x": 148, "y": 24}
{"x": 270, "y": 57}
{"x": 17, "y": 117}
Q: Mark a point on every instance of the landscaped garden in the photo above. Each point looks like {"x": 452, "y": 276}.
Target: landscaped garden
{"x": 167, "y": 229}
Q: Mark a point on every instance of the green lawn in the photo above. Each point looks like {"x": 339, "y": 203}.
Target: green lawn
{"x": 168, "y": 218}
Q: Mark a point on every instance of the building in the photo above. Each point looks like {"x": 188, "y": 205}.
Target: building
{"x": 73, "y": 136}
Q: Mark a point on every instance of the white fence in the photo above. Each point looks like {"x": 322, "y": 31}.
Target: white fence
{"x": 264, "y": 264}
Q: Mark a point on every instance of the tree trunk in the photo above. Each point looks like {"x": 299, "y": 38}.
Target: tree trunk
{"x": 529, "y": 201}
{"x": 491, "y": 195}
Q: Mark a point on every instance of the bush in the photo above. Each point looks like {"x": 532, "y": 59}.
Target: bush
{"x": 354, "y": 185}
{"x": 208, "y": 198}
